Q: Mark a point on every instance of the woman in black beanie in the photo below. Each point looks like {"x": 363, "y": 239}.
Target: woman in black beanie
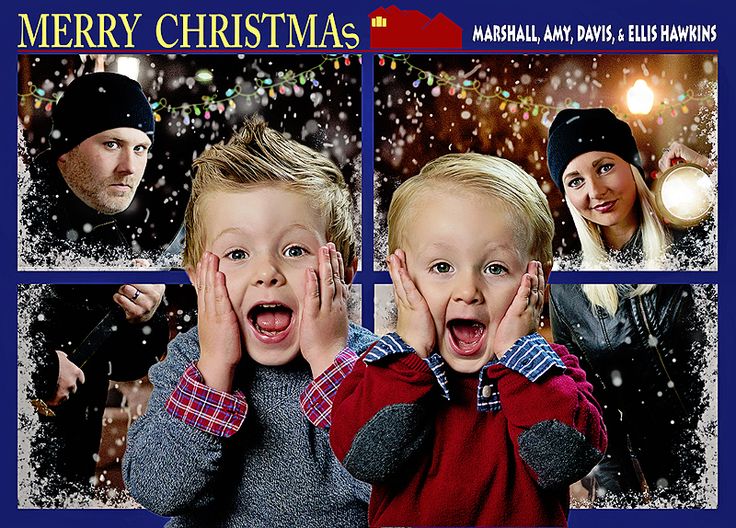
{"x": 640, "y": 344}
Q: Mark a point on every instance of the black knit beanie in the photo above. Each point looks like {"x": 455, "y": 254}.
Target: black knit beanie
{"x": 575, "y": 132}
{"x": 97, "y": 102}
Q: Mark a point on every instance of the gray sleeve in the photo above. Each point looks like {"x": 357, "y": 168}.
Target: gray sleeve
{"x": 169, "y": 467}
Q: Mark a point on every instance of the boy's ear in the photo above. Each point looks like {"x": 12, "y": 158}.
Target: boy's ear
{"x": 191, "y": 273}
{"x": 351, "y": 270}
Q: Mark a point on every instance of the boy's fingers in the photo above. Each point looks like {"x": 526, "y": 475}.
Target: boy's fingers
{"x": 401, "y": 258}
{"x": 413, "y": 295}
{"x": 395, "y": 273}
{"x": 201, "y": 279}
{"x": 311, "y": 295}
{"x": 209, "y": 282}
{"x": 334, "y": 261}
{"x": 540, "y": 272}
{"x": 222, "y": 300}
{"x": 523, "y": 294}
{"x": 541, "y": 285}
{"x": 326, "y": 278}
{"x": 340, "y": 266}
{"x": 337, "y": 275}
{"x": 533, "y": 273}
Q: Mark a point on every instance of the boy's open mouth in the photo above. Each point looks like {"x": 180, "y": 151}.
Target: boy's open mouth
{"x": 271, "y": 322}
{"x": 466, "y": 336}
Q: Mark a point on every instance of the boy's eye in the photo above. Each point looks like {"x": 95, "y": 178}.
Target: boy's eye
{"x": 442, "y": 267}
{"x": 140, "y": 148}
{"x": 111, "y": 144}
{"x": 495, "y": 269}
{"x": 295, "y": 251}
{"x": 236, "y": 254}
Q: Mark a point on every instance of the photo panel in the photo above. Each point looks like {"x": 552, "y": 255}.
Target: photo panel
{"x": 194, "y": 102}
{"x": 70, "y": 446}
{"x": 654, "y": 368}
{"x": 663, "y": 108}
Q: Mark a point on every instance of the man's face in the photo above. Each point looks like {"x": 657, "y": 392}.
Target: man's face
{"x": 104, "y": 170}
{"x": 463, "y": 254}
{"x": 266, "y": 238}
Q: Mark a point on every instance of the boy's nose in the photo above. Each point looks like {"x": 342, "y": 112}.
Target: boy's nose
{"x": 266, "y": 273}
{"x": 467, "y": 291}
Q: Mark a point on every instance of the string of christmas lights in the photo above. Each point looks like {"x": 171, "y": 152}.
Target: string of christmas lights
{"x": 281, "y": 85}
{"x": 525, "y": 106}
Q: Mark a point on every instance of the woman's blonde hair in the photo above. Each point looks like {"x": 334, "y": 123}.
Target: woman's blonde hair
{"x": 483, "y": 175}
{"x": 255, "y": 156}
{"x": 655, "y": 241}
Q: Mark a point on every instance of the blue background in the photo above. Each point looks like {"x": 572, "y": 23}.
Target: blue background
{"x": 465, "y": 13}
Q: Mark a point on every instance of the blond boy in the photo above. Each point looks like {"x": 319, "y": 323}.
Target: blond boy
{"x": 465, "y": 416}
{"x": 225, "y": 441}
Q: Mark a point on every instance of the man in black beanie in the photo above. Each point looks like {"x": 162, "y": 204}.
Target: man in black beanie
{"x": 103, "y": 126}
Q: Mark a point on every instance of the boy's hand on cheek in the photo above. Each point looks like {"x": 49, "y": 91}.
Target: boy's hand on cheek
{"x": 219, "y": 331}
{"x": 414, "y": 324}
{"x": 323, "y": 330}
{"x": 522, "y": 317}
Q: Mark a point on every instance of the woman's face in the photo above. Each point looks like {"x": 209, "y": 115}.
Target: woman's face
{"x": 601, "y": 187}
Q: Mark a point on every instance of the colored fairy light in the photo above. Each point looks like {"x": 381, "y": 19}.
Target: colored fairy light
{"x": 416, "y": 83}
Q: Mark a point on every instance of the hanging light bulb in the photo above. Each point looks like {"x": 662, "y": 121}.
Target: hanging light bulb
{"x": 640, "y": 98}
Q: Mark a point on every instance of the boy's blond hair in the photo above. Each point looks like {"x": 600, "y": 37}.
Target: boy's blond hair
{"x": 478, "y": 174}
{"x": 256, "y": 156}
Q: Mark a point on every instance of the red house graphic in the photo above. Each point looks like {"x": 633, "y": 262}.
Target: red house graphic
{"x": 396, "y": 28}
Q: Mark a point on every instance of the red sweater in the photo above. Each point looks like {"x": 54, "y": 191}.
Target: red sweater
{"x": 445, "y": 463}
